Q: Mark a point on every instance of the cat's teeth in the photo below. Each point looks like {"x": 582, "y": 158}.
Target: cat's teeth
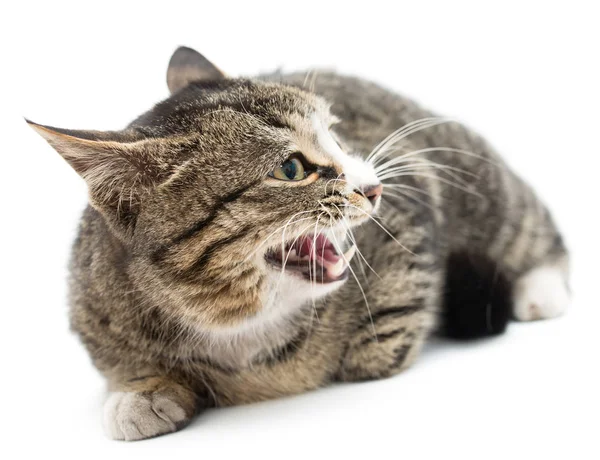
{"x": 350, "y": 253}
{"x": 337, "y": 269}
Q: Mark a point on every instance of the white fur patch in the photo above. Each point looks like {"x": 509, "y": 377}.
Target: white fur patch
{"x": 357, "y": 171}
{"x": 541, "y": 293}
{"x": 130, "y": 416}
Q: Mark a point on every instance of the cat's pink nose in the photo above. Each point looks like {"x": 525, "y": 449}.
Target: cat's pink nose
{"x": 372, "y": 192}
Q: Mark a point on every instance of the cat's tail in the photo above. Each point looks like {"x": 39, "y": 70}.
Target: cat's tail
{"x": 477, "y": 297}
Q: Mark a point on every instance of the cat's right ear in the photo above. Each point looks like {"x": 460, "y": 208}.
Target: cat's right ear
{"x": 186, "y": 66}
{"x": 118, "y": 169}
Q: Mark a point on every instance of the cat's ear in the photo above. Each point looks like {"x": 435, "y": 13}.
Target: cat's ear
{"x": 186, "y": 66}
{"x": 117, "y": 169}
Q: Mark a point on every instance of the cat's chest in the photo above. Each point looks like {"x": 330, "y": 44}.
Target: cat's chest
{"x": 257, "y": 339}
{"x": 289, "y": 358}
{"x": 289, "y": 309}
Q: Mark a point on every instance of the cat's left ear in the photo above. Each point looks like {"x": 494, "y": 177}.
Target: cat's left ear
{"x": 186, "y": 66}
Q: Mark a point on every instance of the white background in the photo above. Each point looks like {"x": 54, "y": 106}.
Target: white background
{"x": 525, "y": 75}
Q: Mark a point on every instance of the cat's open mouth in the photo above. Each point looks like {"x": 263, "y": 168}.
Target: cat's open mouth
{"x": 314, "y": 258}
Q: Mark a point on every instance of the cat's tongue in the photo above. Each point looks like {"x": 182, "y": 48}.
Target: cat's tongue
{"x": 321, "y": 250}
{"x": 309, "y": 245}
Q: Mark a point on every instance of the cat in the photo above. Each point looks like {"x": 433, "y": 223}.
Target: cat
{"x": 248, "y": 239}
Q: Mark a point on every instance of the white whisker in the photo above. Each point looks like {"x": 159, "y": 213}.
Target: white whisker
{"x": 382, "y": 149}
{"x": 359, "y": 287}
{"x": 403, "y": 194}
{"x": 416, "y": 168}
{"x": 430, "y": 176}
{"x": 276, "y": 230}
{"x": 448, "y": 170}
{"x": 403, "y": 157}
{"x": 353, "y": 239}
{"x": 314, "y": 265}
{"x": 408, "y": 187}
{"x": 287, "y": 255}
{"x": 382, "y": 227}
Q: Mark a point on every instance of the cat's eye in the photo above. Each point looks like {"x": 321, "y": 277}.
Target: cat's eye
{"x": 291, "y": 169}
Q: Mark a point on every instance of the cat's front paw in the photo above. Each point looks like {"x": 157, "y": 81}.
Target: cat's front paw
{"x": 132, "y": 416}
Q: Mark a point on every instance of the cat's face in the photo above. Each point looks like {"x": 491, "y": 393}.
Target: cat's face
{"x": 232, "y": 197}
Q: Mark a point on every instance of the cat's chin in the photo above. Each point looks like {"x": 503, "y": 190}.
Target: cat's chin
{"x": 313, "y": 258}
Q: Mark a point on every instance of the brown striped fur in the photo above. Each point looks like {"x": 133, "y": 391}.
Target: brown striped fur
{"x": 178, "y": 201}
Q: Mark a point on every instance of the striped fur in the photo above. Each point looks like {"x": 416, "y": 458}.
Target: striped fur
{"x": 169, "y": 289}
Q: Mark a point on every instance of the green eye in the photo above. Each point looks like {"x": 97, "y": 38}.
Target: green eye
{"x": 290, "y": 169}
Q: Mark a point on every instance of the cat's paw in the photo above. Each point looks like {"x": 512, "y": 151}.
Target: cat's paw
{"x": 131, "y": 416}
{"x": 541, "y": 293}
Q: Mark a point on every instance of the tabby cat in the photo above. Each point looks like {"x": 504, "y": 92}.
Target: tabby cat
{"x": 213, "y": 263}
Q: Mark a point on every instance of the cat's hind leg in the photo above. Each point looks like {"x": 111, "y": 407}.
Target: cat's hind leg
{"x": 532, "y": 251}
{"x": 542, "y": 292}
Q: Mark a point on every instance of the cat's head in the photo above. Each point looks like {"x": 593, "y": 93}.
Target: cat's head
{"x": 232, "y": 197}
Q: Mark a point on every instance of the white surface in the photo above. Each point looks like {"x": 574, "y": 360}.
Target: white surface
{"x": 524, "y": 74}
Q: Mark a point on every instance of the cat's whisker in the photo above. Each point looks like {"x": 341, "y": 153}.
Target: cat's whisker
{"x": 402, "y": 162}
{"x": 313, "y": 80}
{"x": 350, "y": 234}
{"x": 323, "y": 248}
{"x": 284, "y": 262}
{"x": 385, "y": 147}
{"x": 381, "y": 226}
{"x": 408, "y": 187}
{"x": 395, "y": 135}
{"x": 389, "y": 189}
{"x": 437, "y": 150}
{"x": 312, "y": 264}
{"x": 315, "y": 262}
{"x": 362, "y": 291}
{"x": 430, "y": 176}
{"x": 337, "y": 179}
{"x": 306, "y": 78}
{"x": 287, "y": 255}
{"x": 416, "y": 168}
{"x": 405, "y": 194}
{"x": 283, "y": 235}
{"x": 264, "y": 241}
{"x": 448, "y": 170}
